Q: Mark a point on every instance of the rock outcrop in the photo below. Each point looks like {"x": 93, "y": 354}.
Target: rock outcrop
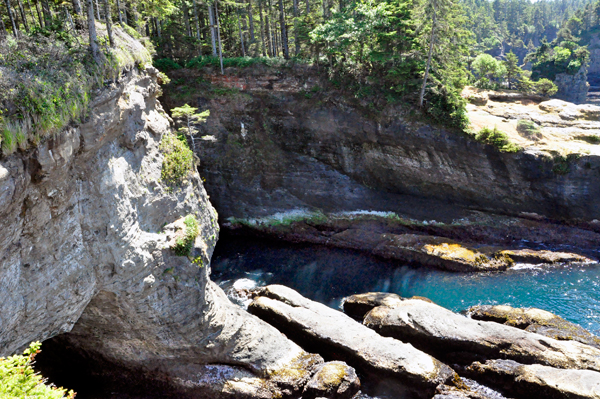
{"x": 85, "y": 230}
{"x": 335, "y": 380}
{"x": 321, "y": 329}
{"x": 538, "y": 381}
{"x": 572, "y": 88}
{"x": 279, "y": 141}
{"x": 535, "y": 320}
{"x": 447, "y": 335}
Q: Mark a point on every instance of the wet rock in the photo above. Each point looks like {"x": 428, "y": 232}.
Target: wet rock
{"x": 320, "y": 329}
{"x": 543, "y": 256}
{"x": 448, "y": 335}
{"x": 441, "y": 253}
{"x": 357, "y": 306}
{"x": 335, "y": 380}
{"x": 535, "y": 320}
{"x": 537, "y": 381}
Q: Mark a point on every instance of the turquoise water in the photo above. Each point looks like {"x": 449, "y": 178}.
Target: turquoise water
{"x": 329, "y": 274}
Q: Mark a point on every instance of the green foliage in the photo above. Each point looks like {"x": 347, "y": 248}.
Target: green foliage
{"x": 189, "y": 115}
{"x": 497, "y": 139}
{"x": 237, "y": 62}
{"x": 178, "y": 160}
{"x": 166, "y": 65}
{"x": 528, "y": 128}
{"x": 545, "y": 87}
{"x": 562, "y": 163}
{"x": 183, "y": 245}
{"x": 46, "y": 81}
{"x": 488, "y": 68}
{"x": 551, "y": 59}
{"x": 19, "y": 380}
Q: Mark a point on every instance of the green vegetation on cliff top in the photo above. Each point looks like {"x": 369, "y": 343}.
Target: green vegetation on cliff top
{"x": 48, "y": 78}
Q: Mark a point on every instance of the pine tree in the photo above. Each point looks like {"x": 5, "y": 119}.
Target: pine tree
{"x": 189, "y": 115}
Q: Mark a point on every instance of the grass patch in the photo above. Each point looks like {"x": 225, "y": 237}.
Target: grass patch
{"x": 178, "y": 162}
{"x": 183, "y": 245}
{"x": 47, "y": 79}
{"x": 528, "y": 129}
{"x": 498, "y": 139}
{"x": 19, "y": 380}
{"x": 237, "y": 62}
{"x": 589, "y": 138}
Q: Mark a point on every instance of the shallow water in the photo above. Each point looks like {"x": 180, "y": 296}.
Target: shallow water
{"x": 329, "y": 274}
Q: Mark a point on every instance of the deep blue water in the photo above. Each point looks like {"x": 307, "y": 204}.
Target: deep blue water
{"x": 329, "y": 274}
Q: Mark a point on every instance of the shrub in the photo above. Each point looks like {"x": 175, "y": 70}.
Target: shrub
{"x": 545, "y": 87}
{"x": 496, "y": 138}
{"x": 19, "y": 380}
{"x": 178, "y": 161}
{"x": 528, "y": 128}
{"x": 183, "y": 245}
{"x": 166, "y": 64}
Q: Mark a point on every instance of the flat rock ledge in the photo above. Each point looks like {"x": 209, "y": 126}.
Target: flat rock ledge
{"x": 320, "y": 329}
{"x": 448, "y": 335}
{"x": 459, "y": 247}
{"x": 535, "y": 320}
{"x": 537, "y": 381}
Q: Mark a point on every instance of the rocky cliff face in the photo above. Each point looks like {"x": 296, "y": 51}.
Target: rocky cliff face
{"x": 276, "y": 141}
{"x": 85, "y": 231}
{"x": 573, "y": 88}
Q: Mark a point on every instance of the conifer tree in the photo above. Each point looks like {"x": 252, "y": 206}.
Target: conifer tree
{"x": 189, "y": 116}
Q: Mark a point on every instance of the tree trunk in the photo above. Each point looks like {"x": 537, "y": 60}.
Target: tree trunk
{"x": 251, "y": 21}
{"x": 119, "y": 13}
{"x": 284, "y": 41}
{"x": 219, "y": 36}
{"x": 157, "y": 28}
{"x": 241, "y": 35}
{"x": 31, "y": 12}
{"x": 47, "y": 13}
{"x": 262, "y": 28}
{"x": 12, "y": 20}
{"x": 23, "y": 16}
{"x": 3, "y": 32}
{"x": 296, "y": 42}
{"x": 211, "y": 18}
{"x": 186, "y": 18}
{"x": 124, "y": 13}
{"x": 197, "y": 23}
{"x": 431, "y": 39}
{"x": 97, "y": 11}
{"x": 307, "y": 7}
{"x": 107, "y": 15}
{"x": 76, "y": 7}
{"x": 39, "y": 13}
{"x": 92, "y": 30}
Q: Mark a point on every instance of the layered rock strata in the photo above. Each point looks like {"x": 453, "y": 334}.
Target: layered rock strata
{"x": 86, "y": 226}
{"x": 448, "y": 335}
{"x": 327, "y": 331}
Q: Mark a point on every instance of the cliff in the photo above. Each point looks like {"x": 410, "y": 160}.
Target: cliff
{"x": 277, "y": 140}
{"x": 86, "y": 230}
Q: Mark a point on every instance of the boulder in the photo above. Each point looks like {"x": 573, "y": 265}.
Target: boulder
{"x": 335, "y": 380}
{"x": 357, "y": 306}
{"x": 535, "y": 320}
{"x": 537, "y": 381}
{"x": 320, "y": 329}
{"x": 448, "y": 335}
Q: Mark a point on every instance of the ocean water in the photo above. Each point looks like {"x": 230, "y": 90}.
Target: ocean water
{"x": 327, "y": 275}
